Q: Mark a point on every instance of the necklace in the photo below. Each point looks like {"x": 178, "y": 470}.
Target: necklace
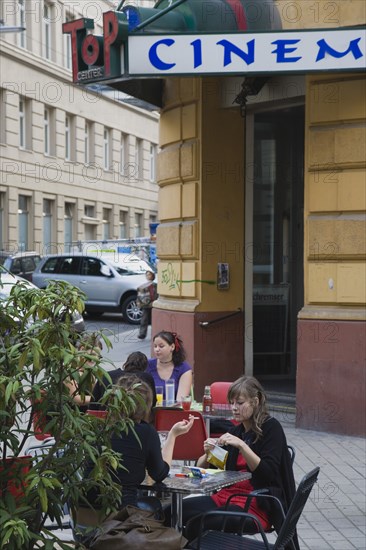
{"x": 165, "y": 362}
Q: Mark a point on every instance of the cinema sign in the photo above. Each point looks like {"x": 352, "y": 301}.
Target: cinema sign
{"x": 122, "y": 53}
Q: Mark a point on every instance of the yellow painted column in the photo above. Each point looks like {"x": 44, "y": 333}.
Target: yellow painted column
{"x": 332, "y": 329}
{"x": 201, "y": 215}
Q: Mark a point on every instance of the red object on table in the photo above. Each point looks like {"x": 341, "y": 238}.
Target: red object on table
{"x": 207, "y": 400}
{"x": 17, "y": 468}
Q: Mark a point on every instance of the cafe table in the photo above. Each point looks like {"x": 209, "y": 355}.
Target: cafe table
{"x": 180, "y": 487}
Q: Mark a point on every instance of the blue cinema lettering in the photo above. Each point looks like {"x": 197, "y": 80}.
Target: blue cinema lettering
{"x": 155, "y": 59}
{"x": 282, "y": 50}
{"x": 230, "y": 48}
{"x": 197, "y": 53}
{"x": 324, "y": 48}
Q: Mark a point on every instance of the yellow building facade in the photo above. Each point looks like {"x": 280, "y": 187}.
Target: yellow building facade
{"x": 272, "y": 193}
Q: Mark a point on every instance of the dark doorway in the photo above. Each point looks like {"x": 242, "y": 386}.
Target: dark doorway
{"x": 278, "y": 287}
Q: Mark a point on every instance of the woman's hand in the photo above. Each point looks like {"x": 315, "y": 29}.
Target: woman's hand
{"x": 230, "y": 439}
{"x": 250, "y": 457}
{"x": 176, "y": 430}
{"x": 209, "y": 444}
{"x": 182, "y": 427}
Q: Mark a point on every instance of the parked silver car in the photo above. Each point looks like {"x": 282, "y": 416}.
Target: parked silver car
{"x": 20, "y": 263}
{"x": 8, "y": 280}
{"x": 108, "y": 286}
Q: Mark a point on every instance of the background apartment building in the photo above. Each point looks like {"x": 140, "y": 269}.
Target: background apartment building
{"x": 75, "y": 163}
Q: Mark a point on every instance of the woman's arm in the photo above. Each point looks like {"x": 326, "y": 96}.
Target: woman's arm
{"x": 178, "y": 429}
{"x": 74, "y": 392}
{"x": 185, "y": 385}
{"x": 202, "y": 462}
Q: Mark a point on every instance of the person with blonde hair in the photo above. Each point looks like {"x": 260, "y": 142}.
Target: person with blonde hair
{"x": 257, "y": 444}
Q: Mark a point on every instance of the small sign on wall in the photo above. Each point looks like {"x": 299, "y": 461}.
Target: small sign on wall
{"x": 223, "y": 276}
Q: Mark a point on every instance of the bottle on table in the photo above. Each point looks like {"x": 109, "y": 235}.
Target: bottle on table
{"x": 207, "y": 400}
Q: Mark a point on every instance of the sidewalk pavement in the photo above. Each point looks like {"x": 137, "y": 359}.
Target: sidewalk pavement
{"x": 334, "y": 516}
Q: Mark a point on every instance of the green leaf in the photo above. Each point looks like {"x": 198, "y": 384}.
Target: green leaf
{"x": 43, "y": 498}
{"x": 8, "y": 392}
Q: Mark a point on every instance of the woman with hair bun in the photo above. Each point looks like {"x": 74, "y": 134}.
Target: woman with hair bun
{"x": 169, "y": 363}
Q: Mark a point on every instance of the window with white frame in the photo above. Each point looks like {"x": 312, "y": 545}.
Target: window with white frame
{"x": 67, "y": 46}
{"x": 24, "y": 117}
{"x": 123, "y": 155}
{"x": 2, "y": 220}
{"x": 107, "y": 215}
{"x": 23, "y": 222}
{"x": 2, "y": 116}
{"x": 153, "y": 162}
{"x": 152, "y": 218}
{"x": 47, "y": 222}
{"x": 123, "y": 225}
{"x": 138, "y": 225}
{"x": 89, "y": 210}
{"x": 22, "y": 37}
{"x": 46, "y": 131}
{"x": 47, "y": 31}
{"x": 86, "y": 142}
{"x": 68, "y": 225}
{"x": 69, "y": 137}
{"x": 139, "y": 159}
{"x": 107, "y": 156}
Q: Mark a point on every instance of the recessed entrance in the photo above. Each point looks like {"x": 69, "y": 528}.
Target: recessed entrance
{"x": 275, "y": 254}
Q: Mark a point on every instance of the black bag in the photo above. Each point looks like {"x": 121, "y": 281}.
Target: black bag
{"x": 134, "y": 529}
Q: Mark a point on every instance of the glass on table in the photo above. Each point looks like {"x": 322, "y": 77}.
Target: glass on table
{"x": 159, "y": 395}
{"x": 186, "y": 402}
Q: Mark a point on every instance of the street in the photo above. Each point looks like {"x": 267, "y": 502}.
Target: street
{"x": 123, "y": 338}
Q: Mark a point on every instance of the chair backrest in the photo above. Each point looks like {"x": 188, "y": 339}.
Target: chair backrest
{"x": 190, "y": 445}
{"x": 219, "y": 391}
{"x": 297, "y": 505}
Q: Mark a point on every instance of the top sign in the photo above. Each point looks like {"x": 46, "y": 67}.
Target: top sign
{"x": 121, "y": 53}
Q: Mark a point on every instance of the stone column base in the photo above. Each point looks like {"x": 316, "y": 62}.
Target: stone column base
{"x": 330, "y": 383}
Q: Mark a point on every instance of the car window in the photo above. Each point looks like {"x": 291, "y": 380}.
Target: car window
{"x": 16, "y": 266}
{"x": 69, "y": 266}
{"x": 28, "y": 264}
{"x": 91, "y": 266}
{"x": 50, "y": 265}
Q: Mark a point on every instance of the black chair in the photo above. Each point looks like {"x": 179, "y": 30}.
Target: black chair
{"x": 292, "y": 453}
{"x": 208, "y": 539}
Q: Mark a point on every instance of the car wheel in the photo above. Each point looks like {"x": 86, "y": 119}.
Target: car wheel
{"x": 130, "y": 310}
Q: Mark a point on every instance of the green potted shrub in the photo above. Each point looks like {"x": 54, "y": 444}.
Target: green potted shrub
{"x": 39, "y": 356}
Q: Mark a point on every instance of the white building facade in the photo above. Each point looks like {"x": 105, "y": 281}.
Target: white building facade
{"x": 75, "y": 163}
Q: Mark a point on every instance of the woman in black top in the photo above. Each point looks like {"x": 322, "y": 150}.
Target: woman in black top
{"x": 257, "y": 444}
{"x": 136, "y": 363}
{"x": 142, "y": 454}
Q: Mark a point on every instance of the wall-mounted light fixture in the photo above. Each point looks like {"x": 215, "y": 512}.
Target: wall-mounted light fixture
{"x": 251, "y": 85}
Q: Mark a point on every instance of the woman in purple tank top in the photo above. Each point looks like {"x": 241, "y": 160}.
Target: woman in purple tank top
{"x": 170, "y": 363}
